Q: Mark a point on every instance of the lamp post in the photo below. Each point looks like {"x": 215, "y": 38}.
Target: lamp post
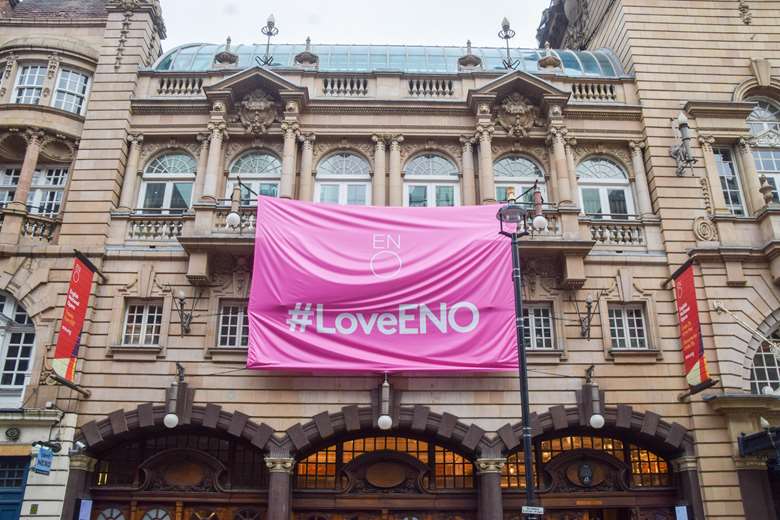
{"x": 269, "y": 30}
{"x": 517, "y": 214}
{"x": 506, "y": 33}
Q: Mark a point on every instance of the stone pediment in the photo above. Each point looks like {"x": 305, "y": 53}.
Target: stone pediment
{"x": 536, "y": 90}
{"x": 769, "y": 139}
{"x": 235, "y": 88}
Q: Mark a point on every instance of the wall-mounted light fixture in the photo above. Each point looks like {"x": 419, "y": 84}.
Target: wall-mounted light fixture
{"x": 185, "y": 316}
{"x": 586, "y": 320}
{"x": 269, "y": 30}
{"x": 173, "y": 396}
{"x": 590, "y": 400}
{"x": 233, "y": 219}
{"x": 681, "y": 152}
{"x": 385, "y": 422}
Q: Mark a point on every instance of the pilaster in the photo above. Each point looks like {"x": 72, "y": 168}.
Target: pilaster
{"x": 378, "y": 182}
{"x": 306, "y": 189}
{"x": 487, "y": 182}
{"x": 490, "y": 500}
{"x": 467, "y": 175}
{"x": 395, "y": 179}
{"x": 755, "y": 200}
{"x": 280, "y": 469}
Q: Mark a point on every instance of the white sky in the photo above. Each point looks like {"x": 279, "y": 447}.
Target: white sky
{"x": 407, "y": 22}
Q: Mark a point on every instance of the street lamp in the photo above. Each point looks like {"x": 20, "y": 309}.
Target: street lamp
{"x": 269, "y": 30}
{"x": 517, "y": 214}
{"x": 506, "y": 33}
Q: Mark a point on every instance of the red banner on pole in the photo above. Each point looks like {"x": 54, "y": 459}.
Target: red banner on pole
{"x": 690, "y": 328}
{"x": 76, "y": 300}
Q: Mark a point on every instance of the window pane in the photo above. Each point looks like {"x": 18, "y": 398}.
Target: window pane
{"x": 617, "y": 202}
{"x": 445, "y": 195}
{"x": 418, "y": 196}
{"x": 729, "y": 182}
{"x": 268, "y": 189}
{"x": 182, "y": 192}
{"x": 155, "y": 195}
{"x": 356, "y": 194}
{"x": 329, "y": 193}
{"x": 591, "y": 200}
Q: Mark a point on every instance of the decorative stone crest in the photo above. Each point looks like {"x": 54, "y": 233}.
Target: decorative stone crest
{"x": 744, "y": 12}
{"x": 280, "y": 464}
{"x": 517, "y": 115}
{"x": 490, "y": 465}
{"x": 704, "y": 230}
{"x": 257, "y": 111}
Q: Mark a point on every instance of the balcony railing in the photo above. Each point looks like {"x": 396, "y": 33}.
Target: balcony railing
{"x": 179, "y": 86}
{"x": 248, "y": 216}
{"x": 345, "y": 86}
{"x": 624, "y": 232}
{"x": 431, "y": 88}
{"x": 39, "y": 227}
{"x": 156, "y": 228}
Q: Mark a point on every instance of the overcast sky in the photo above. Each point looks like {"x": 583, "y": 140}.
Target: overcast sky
{"x": 409, "y": 22}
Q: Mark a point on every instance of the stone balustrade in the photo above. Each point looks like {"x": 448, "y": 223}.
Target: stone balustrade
{"x": 39, "y": 228}
{"x": 155, "y": 228}
{"x": 594, "y": 92}
{"x": 431, "y": 88}
{"x": 345, "y": 86}
{"x": 179, "y": 86}
{"x": 248, "y": 221}
{"x": 617, "y": 232}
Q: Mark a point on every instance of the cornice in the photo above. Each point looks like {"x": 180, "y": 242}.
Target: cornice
{"x": 195, "y": 105}
{"x": 53, "y": 22}
{"x": 722, "y": 109}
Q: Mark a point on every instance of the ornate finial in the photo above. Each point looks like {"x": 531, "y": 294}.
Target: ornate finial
{"x": 469, "y": 61}
{"x": 307, "y": 59}
{"x": 308, "y": 44}
{"x": 468, "y": 47}
{"x": 547, "y": 51}
{"x": 226, "y": 58}
{"x": 227, "y": 44}
{"x": 549, "y": 60}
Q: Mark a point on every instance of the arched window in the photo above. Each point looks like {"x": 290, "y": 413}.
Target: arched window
{"x": 431, "y": 180}
{"x": 17, "y": 340}
{"x": 339, "y": 466}
{"x": 343, "y": 178}
{"x": 516, "y": 174}
{"x": 259, "y": 172}
{"x": 764, "y": 124}
{"x": 167, "y": 183}
{"x": 765, "y": 373}
{"x": 605, "y": 191}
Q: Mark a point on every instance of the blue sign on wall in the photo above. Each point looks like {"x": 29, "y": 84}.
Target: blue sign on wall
{"x": 43, "y": 460}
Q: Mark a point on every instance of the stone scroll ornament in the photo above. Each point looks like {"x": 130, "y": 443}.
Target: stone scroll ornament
{"x": 517, "y": 115}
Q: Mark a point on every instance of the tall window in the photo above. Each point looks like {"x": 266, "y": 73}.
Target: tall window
{"x": 764, "y": 124}
{"x": 343, "y": 178}
{"x": 729, "y": 180}
{"x": 48, "y": 186}
{"x": 538, "y": 326}
{"x": 233, "y": 325}
{"x": 71, "y": 91}
{"x": 431, "y": 180}
{"x": 17, "y": 339}
{"x": 167, "y": 184}
{"x": 143, "y": 323}
{"x": 259, "y": 171}
{"x": 627, "y": 327}
{"x": 605, "y": 191}
{"x": 515, "y": 175}
{"x": 9, "y": 179}
{"x": 29, "y": 84}
{"x": 766, "y": 368}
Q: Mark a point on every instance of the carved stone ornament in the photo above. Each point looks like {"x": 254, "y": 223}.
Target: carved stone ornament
{"x": 257, "y": 111}
{"x": 517, "y": 115}
{"x": 704, "y": 229}
{"x": 490, "y": 465}
{"x": 280, "y": 464}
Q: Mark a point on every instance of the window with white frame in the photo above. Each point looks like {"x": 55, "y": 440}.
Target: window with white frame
{"x": 765, "y": 373}
{"x": 515, "y": 175}
{"x": 233, "y": 325}
{"x": 259, "y": 172}
{"x": 9, "y": 180}
{"x": 343, "y": 178}
{"x": 764, "y": 124}
{"x": 538, "y": 326}
{"x": 167, "y": 183}
{"x": 29, "y": 84}
{"x": 605, "y": 191}
{"x": 627, "y": 327}
{"x": 431, "y": 180}
{"x": 17, "y": 337}
{"x": 71, "y": 91}
{"x": 48, "y": 187}
{"x": 729, "y": 180}
{"x": 143, "y": 323}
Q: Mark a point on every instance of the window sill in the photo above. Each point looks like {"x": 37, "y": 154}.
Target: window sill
{"x": 634, "y": 356}
{"x": 135, "y": 353}
{"x": 227, "y": 354}
{"x": 545, "y": 357}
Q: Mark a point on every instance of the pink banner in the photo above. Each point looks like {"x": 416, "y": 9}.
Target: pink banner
{"x": 370, "y": 289}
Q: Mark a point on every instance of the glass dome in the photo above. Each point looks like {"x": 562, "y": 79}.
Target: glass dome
{"x": 404, "y": 58}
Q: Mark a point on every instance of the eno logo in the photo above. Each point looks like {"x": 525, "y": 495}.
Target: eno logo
{"x": 386, "y": 260}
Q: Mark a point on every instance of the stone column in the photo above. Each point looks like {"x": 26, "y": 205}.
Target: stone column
{"x": 755, "y": 201}
{"x": 289, "y": 152}
{"x": 688, "y": 477}
{"x": 33, "y": 138}
{"x": 396, "y": 181}
{"x": 556, "y": 137}
{"x": 713, "y": 176}
{"x": 81, "y": 466}
{"x": 487, "y": 183}
{"x": 378, "y": 182}
{"x": 469, "y": 182}
{"x": 491, "y": 505}
{"x": 210, "y": 183}
{"x": 552, "y": 177}
{"x": 280, "y": 471}
{"x": 200, "y": 173}
{"x": 645, "y": 205}
{"x": 306, "y": 191}
{"x": 753, "y": 477}
{"x": 571, "y": 168}
{"x": 130, "y": 181}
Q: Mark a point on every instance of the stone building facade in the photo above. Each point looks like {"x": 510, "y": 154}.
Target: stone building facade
{"x": 133, "y": 157}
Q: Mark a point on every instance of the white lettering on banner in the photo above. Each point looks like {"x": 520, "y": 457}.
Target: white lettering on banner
{"x": 409, "y": 319}
{"x": 387, "y": 246}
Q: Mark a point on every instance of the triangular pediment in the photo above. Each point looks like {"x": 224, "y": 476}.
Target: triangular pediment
{"x": 770, "y": 139}
{"x": 530, "y": 86}
{"x": 238, "y": 85}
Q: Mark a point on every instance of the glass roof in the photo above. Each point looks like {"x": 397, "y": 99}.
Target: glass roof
{"x": 371, "y": 58}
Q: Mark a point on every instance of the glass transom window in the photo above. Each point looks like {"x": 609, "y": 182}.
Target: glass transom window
{"x": 71, "y": 91}
{"x": 343, "y": 178}
{"x": 167, "y": 184}
{"x": 765, "y": 117}
{"x": 259, "y": 172}
{"x": 431, "y": 180}
{"x": 516, "y": 174}
{"x": 29, "y": 84}
{"x": 604, "y": 189}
